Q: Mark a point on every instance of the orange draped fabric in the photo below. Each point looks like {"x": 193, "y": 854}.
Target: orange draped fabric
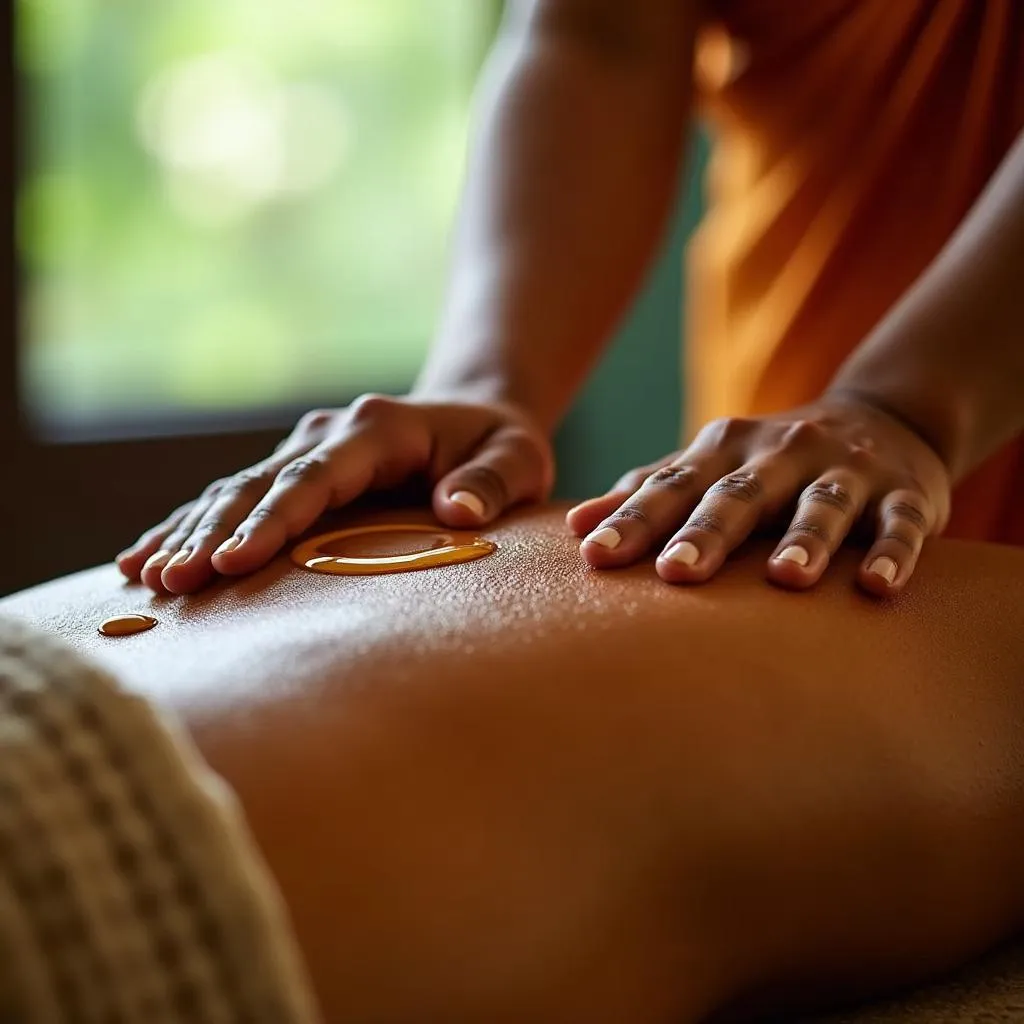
{"x": 851, "y": 137}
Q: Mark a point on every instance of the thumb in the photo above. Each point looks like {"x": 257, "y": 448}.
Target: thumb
{"x": 512, "y": 465}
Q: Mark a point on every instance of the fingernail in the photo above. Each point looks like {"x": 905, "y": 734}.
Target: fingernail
{"x": 182, "y": 556}
{"x": 467, "y": 499}
{"x": 229, "y": 545}
{"x": 794, "y": 553}
{"x": 683, "y": 552}
{"x": 606, "y": 537}
{"x": 884, "y": 567}
{"x": 122, "y": 554}
{"x": 157, "y": 559}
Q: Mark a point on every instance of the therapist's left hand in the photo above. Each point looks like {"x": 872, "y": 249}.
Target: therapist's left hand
{"x": 817, "y": 472}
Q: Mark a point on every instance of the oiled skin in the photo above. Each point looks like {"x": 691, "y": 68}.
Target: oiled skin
{"x": 521, "y": 790}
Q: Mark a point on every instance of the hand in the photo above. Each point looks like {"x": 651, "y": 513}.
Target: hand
{"x": 839, "y": 461}
{"x": 480, "y": 459}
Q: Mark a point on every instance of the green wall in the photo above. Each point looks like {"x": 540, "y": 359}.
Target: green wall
{"x": 629, "y": 412}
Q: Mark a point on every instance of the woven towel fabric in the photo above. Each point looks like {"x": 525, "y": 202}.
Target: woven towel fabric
{"x": 130, "y": 890}
{"x": 990, "y": 991}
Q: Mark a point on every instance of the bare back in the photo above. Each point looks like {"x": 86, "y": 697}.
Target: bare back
{"x": 534, "y": 791}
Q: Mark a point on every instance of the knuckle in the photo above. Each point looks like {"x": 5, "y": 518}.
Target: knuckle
{"x": 863, "y": 460}
{"x": 303, "y": 470}
{"x": 707, "y": 521}
{"x": 260, "y": 514}
{"x": 727, "y": 430}
{"x": 863, "y": 444}
{"x": 633, "y": 480}
{"x": 490, "y": 481}
{"x": 910, "y": 512}
{"x": 370, "y": 407}
{"x": 833, "y": 494}
{"x": 247, "y": 481}
{"x": 631, "y": 513}
{"x": 210, "y": 491}
{"x": 673, "y": 476}
{"x": 529, "y": 450}
{"x": 744, "y": 486}
{"x": 809, "y": 528}
{"x": 210, "y": 526}
{"x": 316, "y": 419}
{"x": 803, "y": 434}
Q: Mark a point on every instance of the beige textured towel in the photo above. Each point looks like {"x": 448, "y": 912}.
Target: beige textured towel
{"x": 990, "y": 991}
{"x": 130, "y": 891}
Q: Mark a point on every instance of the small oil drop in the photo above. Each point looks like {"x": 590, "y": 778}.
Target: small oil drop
{"x": 442, "y": 549}
{"x": 126, "y": 625}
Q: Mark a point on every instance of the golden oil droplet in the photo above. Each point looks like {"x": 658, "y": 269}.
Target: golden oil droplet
{"x": 441, "y": 548}
{"x": 126, "y": 625}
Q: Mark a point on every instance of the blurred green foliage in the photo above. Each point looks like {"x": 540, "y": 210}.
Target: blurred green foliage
{"x": 236, "y": 203}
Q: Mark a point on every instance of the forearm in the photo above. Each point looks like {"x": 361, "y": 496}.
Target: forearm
{"x": 949, "y": 358}
{"x": 568, "y": 190}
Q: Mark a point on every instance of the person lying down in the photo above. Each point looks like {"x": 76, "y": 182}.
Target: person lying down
{"x": 520, "y": 790}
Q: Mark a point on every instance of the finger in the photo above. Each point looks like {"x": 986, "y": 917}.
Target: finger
{"x": 725, "y": 517}
{"x": 175, "y": 548}
{"x": 380, "y": 442}
{"x": 152, "y": 570}
{"x": 905, "y": 518}
{"x": 331, "y": 474}
{"x": 133, "y": 558}
{"x": 825, "y": 513}
{"x": 190, "y": 567}
{"x": 584, "y": 517}
{"x": 511, "y": 466}
{"x": 724, "y": 440}
{"x": 650, "y": 514}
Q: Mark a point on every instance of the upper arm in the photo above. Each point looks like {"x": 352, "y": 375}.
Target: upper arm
{"x": 648, "y": 31}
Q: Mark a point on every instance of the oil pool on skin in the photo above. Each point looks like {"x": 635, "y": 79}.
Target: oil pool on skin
{"x": 126, "y": 625}
{"x": 441, "y": 549}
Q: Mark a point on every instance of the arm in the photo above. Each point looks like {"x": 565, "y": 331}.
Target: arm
{"x": 577, "y": 159}
{"x": 583, "y": 112}
{"x": 949, "y": 358}
{"x": 930, "y": 393}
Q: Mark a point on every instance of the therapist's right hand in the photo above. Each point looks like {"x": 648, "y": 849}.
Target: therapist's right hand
{"x": 480, "y": 458}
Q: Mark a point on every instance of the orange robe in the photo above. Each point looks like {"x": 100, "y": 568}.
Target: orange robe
{"x": 850, "y": 139}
